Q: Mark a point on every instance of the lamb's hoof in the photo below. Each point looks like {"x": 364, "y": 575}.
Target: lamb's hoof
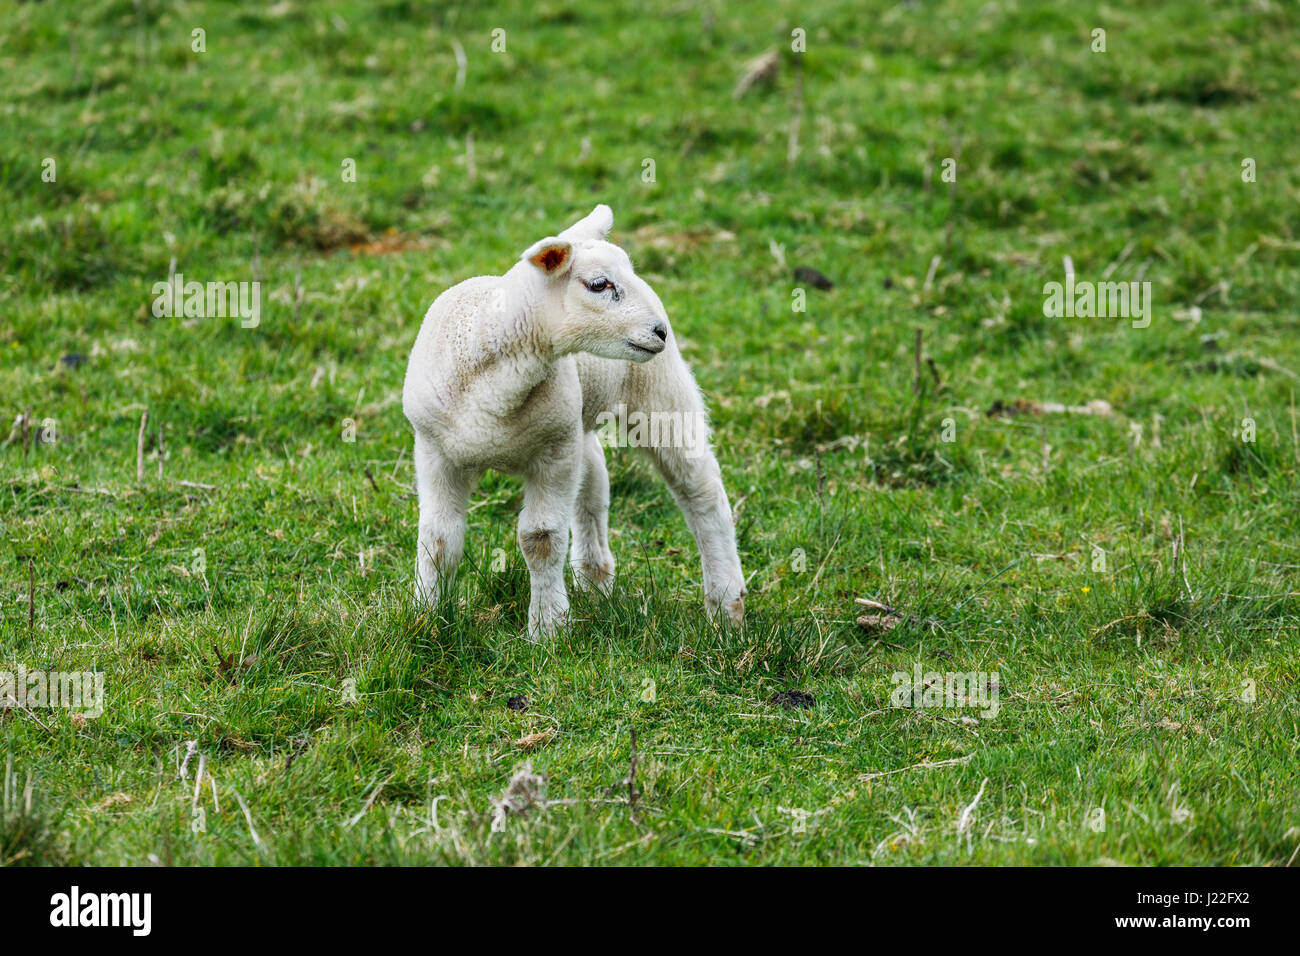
{"x": 425, "y": 598}
{"x": 733, "y": 609}
{"x": 594, "y": 577}
{"x": 736, "y": 611}
{"x": 541, "y": 629}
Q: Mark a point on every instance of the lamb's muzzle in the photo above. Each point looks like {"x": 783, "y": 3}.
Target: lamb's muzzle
{"x": 514, "y": 373}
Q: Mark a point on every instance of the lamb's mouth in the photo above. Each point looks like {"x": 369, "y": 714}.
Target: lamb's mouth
{"x": 642, "y": 348}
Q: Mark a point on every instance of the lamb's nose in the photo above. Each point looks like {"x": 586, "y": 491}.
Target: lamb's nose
{"x": 661, "y": 330}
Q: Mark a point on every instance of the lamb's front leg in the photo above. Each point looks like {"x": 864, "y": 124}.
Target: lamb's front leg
{"x": 443, "y": 493}
{"x": 549, "y": 493}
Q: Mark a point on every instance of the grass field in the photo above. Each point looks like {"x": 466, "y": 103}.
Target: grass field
{"x": 1130, "y": 578}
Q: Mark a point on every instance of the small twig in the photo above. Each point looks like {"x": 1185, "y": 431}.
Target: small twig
{"x": 1272, "y": 366}
{"x": 875, "y": 605}
{"x": 139, "y": 448}
{"x": 1117, "y": 261}
{"x": 887, "y": 610}
{"x": 744, "y": 836}
{"x": 196, "y": 484}
{"x": 371, "y": 479}
{"x": 365, "y": 807}
{"x": 462, "y": 63}
{"x": 1140, "y": 616}
{"x": 923, "y": 765}
{"x": 27, "y": 710}
{"x": 964, "y": 821}
{"x": 248, "y": 817}
{"x": 934, "y": 370}
{"x": 31, "y": 594}
{"x": 929, "y": 276}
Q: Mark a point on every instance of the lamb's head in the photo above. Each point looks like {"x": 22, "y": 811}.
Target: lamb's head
{"x": 605, "y": 307}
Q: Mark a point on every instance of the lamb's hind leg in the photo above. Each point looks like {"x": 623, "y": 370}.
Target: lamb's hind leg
{"x": 443, "y": 493}
{"x": 686, "y": 461}
{"x": 593, "y": 562}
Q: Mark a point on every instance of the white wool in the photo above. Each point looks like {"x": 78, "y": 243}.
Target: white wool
{"x": 513, "y": 373}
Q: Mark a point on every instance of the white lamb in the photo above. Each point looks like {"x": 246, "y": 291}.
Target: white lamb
{"x": 515, "y": 373}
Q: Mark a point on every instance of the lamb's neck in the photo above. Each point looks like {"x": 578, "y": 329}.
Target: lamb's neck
{"x": 520, "y": 350}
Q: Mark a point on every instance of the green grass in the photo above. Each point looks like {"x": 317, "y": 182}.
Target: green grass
{"x": 239, "y": 615}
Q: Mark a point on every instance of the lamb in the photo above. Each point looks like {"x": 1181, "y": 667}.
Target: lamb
{"x": 515, "y": 373}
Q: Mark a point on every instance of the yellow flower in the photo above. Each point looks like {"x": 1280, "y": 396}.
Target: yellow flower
{"x": 1085, "y": 590}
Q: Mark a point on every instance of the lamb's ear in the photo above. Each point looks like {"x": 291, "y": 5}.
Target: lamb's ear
{"x": 552, "y": 256}
{"x": 595, "y": 225}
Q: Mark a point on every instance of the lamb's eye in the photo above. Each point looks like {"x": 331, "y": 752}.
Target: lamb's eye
{"x": 599, "y": 285}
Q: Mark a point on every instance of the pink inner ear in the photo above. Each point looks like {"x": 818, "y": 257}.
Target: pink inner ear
{"x": 551, "y": 259}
